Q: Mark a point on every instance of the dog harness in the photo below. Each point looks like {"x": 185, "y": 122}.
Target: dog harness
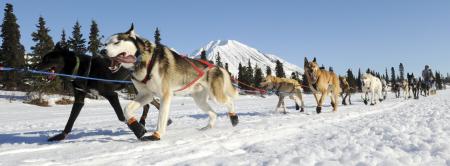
{"x": 199, "y": 71}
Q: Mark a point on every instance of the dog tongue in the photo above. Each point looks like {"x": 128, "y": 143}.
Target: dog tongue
{"x": 125, "y": 59}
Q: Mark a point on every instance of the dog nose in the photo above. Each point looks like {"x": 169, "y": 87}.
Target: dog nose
{"x": 103, "y": 52}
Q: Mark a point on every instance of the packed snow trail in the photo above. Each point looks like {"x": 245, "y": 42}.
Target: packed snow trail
{"x": 395, "y": 132}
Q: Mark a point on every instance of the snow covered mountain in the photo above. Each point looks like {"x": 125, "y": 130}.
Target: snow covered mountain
{"x": 234, "y": 52}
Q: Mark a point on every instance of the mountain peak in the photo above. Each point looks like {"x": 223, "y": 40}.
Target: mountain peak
{"x": 234, "y": 52}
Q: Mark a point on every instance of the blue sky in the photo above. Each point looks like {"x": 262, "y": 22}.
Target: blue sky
{"x": 340, "y": 33}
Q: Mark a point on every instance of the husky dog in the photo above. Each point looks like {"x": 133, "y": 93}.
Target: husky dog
{"x": 372, "y": 85}
{"x": 405, "y": 89}
{"x": 346, "y": 91}
{"x": 159, "y": 71}
{"x": 284, "y": 87}
{"x": 323, "y": 82}
{"x": 67, "y": 62}
{"x": 384, "y": 88}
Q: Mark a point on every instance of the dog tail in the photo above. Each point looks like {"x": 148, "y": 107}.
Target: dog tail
{"x": 221, "y": 86}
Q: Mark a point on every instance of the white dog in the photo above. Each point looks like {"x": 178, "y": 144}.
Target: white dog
{"x": 372, "y": 85}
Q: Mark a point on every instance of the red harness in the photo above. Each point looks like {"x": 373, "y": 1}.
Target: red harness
{"x": 199, "y": 71}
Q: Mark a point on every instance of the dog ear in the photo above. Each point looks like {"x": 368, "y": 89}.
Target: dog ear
{"x": 306, "y": 61}
{"x": 131, "y": 31}
{"x": 314, "y": 60}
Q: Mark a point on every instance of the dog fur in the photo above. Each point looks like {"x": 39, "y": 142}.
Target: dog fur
{"x": 346, "y": 91}
{"x": 372, "y": 85}
{"x": 64, "y": 61}
{"x": 322, "y": 82}
{"x": 284, "y": 87}
{"x": 169, "y": 73}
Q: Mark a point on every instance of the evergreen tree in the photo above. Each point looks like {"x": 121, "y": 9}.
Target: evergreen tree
{"x": 393, "y": 81}
{"x": 268, "y": 71}
{"x": 358, "y": 81}
{"x": 94, "y": 39}
{"x": 44, "y": 42}
{"x": 401, "y": 70}
{"x": 386, "y": 76}
{"x": 258, "y": 76}
{"x": 12, "y": 52}
{"x": 241, "y": 75}
{"x": 279, "y": 71}
{"x": 63, "y": 40}
{"x": 218, "y": 60}
{"x": 203, "y": 55}
{"x": 305, "y": 83}
{"x": 226, "y": 68}
{"x": 76, "y": 42}
{"x": 249, "y": 74}
{"x": 157, "y": 37}
{"x": 351, "y": 79}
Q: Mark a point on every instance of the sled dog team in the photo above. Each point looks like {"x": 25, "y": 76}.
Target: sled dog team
{"x": 159, "y": 72}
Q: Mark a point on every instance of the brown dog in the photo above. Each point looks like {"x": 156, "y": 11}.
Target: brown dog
{"x": 284, "y": 87}
{"x": 322, "y": 82}
{"x": 346, "y": 91}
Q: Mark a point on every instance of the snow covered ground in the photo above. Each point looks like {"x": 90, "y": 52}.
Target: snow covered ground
{"x": 395, "y": 132}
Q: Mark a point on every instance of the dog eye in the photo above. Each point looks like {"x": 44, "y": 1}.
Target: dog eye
{"x": 117, "y": 42}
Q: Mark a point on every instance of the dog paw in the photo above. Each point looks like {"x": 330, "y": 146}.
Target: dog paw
{"x": 302, "y": 110}
{"x": 59, "y": 137}
{"x": 318, "y": 110}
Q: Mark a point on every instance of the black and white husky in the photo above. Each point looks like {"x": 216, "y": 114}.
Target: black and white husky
{"x": 159, "y": 71}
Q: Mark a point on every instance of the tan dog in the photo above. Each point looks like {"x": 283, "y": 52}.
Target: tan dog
{"x": 346, "y": 91}
{"x": 284, "y": 87}
{"x": 159, "y": 71}
{"x": 322, "y": 82}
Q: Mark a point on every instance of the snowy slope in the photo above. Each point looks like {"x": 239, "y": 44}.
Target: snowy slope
{"x": 234, "y": 52}
{"x": 395, "y": 132}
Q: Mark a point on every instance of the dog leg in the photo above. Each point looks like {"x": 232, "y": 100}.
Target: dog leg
{"x": 284, "y": 104}
{"x": 130, "y": 111}
{"x": 113, "y": 99}
{"x": 201, "y": 99}
{"x": 144, "y": 114}
{"x": 76, "y": 108}
{"x": 232, "y": 113}
{"x": 319, "y": 105}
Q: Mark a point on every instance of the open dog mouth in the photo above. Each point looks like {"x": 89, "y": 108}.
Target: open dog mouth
{"x": 119, "y": 59}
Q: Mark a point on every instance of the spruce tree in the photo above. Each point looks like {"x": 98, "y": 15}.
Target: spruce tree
{"x": 94, "y": 39}
{"x": 279, "y": 71}
{"x": 351, "y": 78}
{"x": 249, "y": 74}
{"x": 401, "y": 69}
{"x": 63, "y": 40}
{"x": 218, "y": 60}
{"x": 393, "y": 81}
{"x": 157, "y": 37}
{"x": 226, "y": 68}
{"x": 358, "y": 81}
{"x": 258, "y": 76}
{"x": 12, "y": 51}
{"x": 268, "y": 71}
{"x": 76, "y": 42}
{"x": 241, "y": 75}
{"x": 386, "y": 76}
{"x": 44, "y": 42}
{"x": 203, "y": 55}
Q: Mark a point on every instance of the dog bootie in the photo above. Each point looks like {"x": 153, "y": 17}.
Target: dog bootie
{"x": 154, "y": 137}
{"x": 137, "y": 128}
{"x": 233, "y": 118}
